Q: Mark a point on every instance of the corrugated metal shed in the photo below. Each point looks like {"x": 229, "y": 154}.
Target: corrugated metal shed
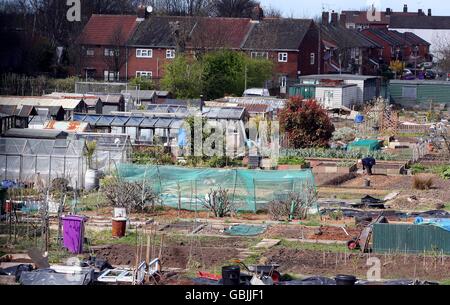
{"x": 410, "y": 238}
{"x": 409, "y": 92}
{"x": 41, "y": 101}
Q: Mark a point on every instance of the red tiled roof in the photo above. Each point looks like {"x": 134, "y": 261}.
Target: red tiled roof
{"x": 228, "y": 32}
{"x": 101, "y": 28}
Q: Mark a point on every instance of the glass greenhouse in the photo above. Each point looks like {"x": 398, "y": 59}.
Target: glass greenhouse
{"x": 23, "y": 158}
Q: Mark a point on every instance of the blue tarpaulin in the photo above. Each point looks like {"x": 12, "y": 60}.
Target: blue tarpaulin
{"x": 443, "y": 223}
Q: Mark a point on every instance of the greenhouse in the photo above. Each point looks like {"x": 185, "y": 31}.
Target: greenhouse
{"x": 249, "y": 190}
{"x": 23, "y": 159}
{"x": 111, "y": 149}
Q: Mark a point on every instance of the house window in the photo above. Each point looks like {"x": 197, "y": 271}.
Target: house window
{"x": 90, "y": 52}
{"x": 283, "y": 81}
{"x": 111, "y": 52}
{"x": 170, "y": 54}
{"x": 144, "y": 53}
{"x": 283, "y": 57}
{"x": 260, "y": 55}
{"x": 312, "y": 58}
{"x": 111, "y": 76}
{"x": 144, "y": 74}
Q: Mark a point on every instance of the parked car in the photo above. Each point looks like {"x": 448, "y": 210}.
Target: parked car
{"x": 425, "y": 65}
{"x": 430, "y": 74}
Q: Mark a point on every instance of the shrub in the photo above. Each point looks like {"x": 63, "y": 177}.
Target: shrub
{"x": 218, "y": 201}
{"x": 295, "y": 206}
{"x": 422, "y": 182}
{"x": 336, "y": 215}
{"x": 133, "y": 196}
{"x": 445, "y": 173}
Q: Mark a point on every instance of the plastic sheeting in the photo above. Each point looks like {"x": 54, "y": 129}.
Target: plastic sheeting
{"x": 443, "y": 223}
{"x": 245, "y": 230}
{"x": 249, "y": 190}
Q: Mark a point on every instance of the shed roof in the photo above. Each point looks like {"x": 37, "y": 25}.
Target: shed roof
{"x": 41, "y": 101}
{"x": 35, "y": 134}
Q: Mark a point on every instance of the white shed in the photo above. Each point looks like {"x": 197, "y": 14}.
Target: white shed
{"x": 337, "y": 96}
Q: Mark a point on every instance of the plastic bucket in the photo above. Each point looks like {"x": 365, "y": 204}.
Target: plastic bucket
{"x": 231, "y": 275}
{"x": 345, "y": 280}
{"x": 119, "y": 226}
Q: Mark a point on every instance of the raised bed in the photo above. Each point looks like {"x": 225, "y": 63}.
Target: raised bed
{"x": 334, "y": 168}
{"x": 389, "y": 168}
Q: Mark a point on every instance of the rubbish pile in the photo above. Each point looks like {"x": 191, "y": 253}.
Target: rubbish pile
{"x": 91, "y": 271}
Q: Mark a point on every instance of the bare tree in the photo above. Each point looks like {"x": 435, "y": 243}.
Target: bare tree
{"x": 234, "y": 8}
{"x": 116, "y": 54}
{"x": 442, "y": 52}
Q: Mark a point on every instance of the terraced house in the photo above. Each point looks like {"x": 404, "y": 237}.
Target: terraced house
{"x": 116, "y": 48}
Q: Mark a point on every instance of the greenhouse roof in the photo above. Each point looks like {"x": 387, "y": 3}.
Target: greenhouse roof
{"x": 41, "y": 147}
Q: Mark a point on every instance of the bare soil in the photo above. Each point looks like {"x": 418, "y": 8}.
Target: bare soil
{"x": 183, "y": 256}
{"x": 314, "y": 233}
{"x": 308, "y": 262}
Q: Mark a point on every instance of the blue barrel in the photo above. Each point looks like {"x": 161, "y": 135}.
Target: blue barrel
{"x": 359, "y": 118}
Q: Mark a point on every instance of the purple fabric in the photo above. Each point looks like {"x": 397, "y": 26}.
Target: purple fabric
{"x": 73, "y": 234}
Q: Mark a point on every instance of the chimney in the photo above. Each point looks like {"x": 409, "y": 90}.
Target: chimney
{"x": 405, "y": 8}
{"x": 142, "y": 12}
{"x": 388, "y": 11}
{"x": 420, "y": 12}
{"x": 429, "y": 12}
{"x": 343, "y": 20}
{"x": 325, "y": 18}
{"x": 334, "y": 18}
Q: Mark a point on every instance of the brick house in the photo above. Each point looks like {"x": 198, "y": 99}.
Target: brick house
{"x": 149, "y": 42}
{"x": 103, "y": 46}
{"x": 292, "y": 44}
{"x": 346, "y": 50}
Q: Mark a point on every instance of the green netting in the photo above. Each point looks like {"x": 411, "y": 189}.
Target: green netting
{"x": 364, "y": 145}
{"x": 250, "y": 190}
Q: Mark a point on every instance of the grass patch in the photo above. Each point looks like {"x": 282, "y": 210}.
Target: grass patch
{"x": 335, "y": 248}
{"x": 445, "y": 282}
{"x": 92, "y": 201}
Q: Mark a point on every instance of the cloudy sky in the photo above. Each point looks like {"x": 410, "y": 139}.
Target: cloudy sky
{"x": 312, "y": 8}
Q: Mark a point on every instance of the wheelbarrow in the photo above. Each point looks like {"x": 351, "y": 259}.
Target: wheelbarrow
{"x": 363, "y": 240}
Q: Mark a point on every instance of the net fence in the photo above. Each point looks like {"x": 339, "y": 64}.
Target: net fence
{"x": 187, "y": 188}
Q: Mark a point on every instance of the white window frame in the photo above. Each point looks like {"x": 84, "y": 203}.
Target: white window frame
{"x": 283, "y": 57}
{"x": 170, "y": 53}
{"x": 144, "y": 53}
{"x": 90, "y": 52}
{"x": 110, "y": 52}
{"x": 110, "y": 76}
{"x": 258, "y": 55}
{"x": 312, "y": 58}
{"x": 144, "y": 74}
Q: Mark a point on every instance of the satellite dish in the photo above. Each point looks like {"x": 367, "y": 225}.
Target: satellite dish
{"x": 149, "y": 9}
